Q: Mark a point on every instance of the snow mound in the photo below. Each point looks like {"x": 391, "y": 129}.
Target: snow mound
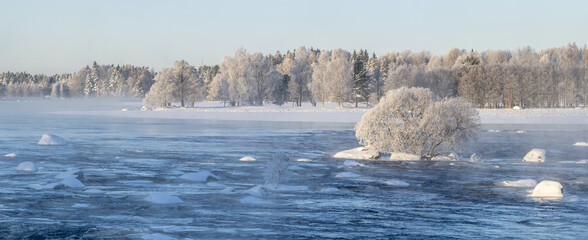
{"x": 578, "y": 144}
{"x": 201, "y": 176}
{"x": 53, "y": 140}
{"x": 519, "y": 183}
{"x": 162, "y": 198}
{"x": 10, "y": 155}
{"x": 27, "y": 167}
{"x": 124, "y": 110}
{"x": 254, "y": 200}
{"x": 353, "y": 163}
{"x": 400, "y": 156}
{"x": 157, "y": 236}
{"x": 360, "y": 153}
{"x": 396, "y": 183}
{"x": 247, "y": 159}
{"x": 450, "y": 157}
{"x": 535, "y": 155}
{"x": 72, "y": 182}
{"x": 330, "y": 190}
{"x": 517, "y": 108}
{"x": 347, "y": 175}
{"x": 548, "y": 189}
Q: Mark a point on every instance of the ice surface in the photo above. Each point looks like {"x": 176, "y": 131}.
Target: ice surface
{"x": 201, "y": 176}
{"x": 50, "y": 139}
{"x": 215, "y": 184}
{"x": 347, "y": 175}
{"x": 548, "y": 189}
{"x": 254, "y": 200}
{"x": 258, "y": 191}
{"x": 80, "y": 205}
{"x": 397, "y": 183}
{"x": 157, "y": 236}
{"x": 10, "y": 155}
{"x": 353, "y": 163}
{"x": 359, "y": 153}
{"x": 399, "y": 156}
{"x": 535, "y": 155}
{"x": 528, "y": 183}
{"x": 163, "y": 198}
{"x": 288, "y": 188}
{"x": 94, "y": 191}
{"x": 247, "y": 159}
{"x": 295, "y": 168}
{"x": 27, "y": 167}
{"x": 581, "y": 144}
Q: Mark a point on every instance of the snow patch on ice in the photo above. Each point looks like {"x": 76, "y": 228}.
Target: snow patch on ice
{"x": 51, "y": 140}
{"x": 535, "y": 155}
{"x": 347, "y": 175}
{"x": 247, "y": 159}
{"x": 353, "y": 163}
{"x": 519, "y": 183}
{"x": 303, "y": 160}
{"x": 359, "y": 153}
{"x": 80, "y": 205}
{"x": 581, "y": 144}
{"x": 330, "y": 190}
{"x": 27, "y": 167}
{"x": 254, "y": 200}
{"x": 157, "y": 236}
{"x": 295, "y": 168}
{"x": 400, "y": 156}
{"x": 396, "y": 183}
{"x": 10, "y": 155}
{"x": 94, "y": 191}
{"x": 215, "y": 184}
{"x": 201, "y": 176}
{"x": 163, "y": 198}
{"x": 548, "y": 189}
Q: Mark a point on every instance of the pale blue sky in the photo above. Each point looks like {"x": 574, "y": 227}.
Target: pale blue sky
{"x": 63, "y": 36}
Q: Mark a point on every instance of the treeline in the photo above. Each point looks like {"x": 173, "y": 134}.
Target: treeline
{"x": 95, "y": 80}
{"x": 554, "y": 77}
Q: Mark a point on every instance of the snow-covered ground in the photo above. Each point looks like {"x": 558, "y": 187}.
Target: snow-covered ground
{"x": 329, "y": 113}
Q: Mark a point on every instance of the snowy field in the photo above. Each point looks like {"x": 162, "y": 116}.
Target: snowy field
{"x": 182, "y": 174}
{"x": 329, "y": 113}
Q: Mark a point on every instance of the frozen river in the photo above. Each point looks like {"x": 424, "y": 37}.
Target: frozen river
{"x": 121, "y": 161}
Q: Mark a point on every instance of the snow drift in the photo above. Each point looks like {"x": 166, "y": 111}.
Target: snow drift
{"x": 360, "y": 153}
{"x": 519, "y": 183}
{"x": 399, "y": 156}
{"x": 51, "y": 140}
{"x": 548, "y": 189}
{"x": 27, "y": 167}
{"x": 201, "y": 176}
{"x": 535, "y": 155}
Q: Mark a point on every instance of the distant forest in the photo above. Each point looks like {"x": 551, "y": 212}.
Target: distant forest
{"x": 554, "y": 77}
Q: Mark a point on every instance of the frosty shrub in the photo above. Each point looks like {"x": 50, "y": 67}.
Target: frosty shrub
{"x": 276, "y": 168}
{"x": 412, "y": 120}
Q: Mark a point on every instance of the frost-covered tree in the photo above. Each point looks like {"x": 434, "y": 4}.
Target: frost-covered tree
{"x": 162, "y": 92}
{"x": 320, "y": 78}
{"x": 360, "y": 76}
{"x": 412, "y": 120}
{"x": 301, "y": 75}
{"x": 276, "y": 169}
